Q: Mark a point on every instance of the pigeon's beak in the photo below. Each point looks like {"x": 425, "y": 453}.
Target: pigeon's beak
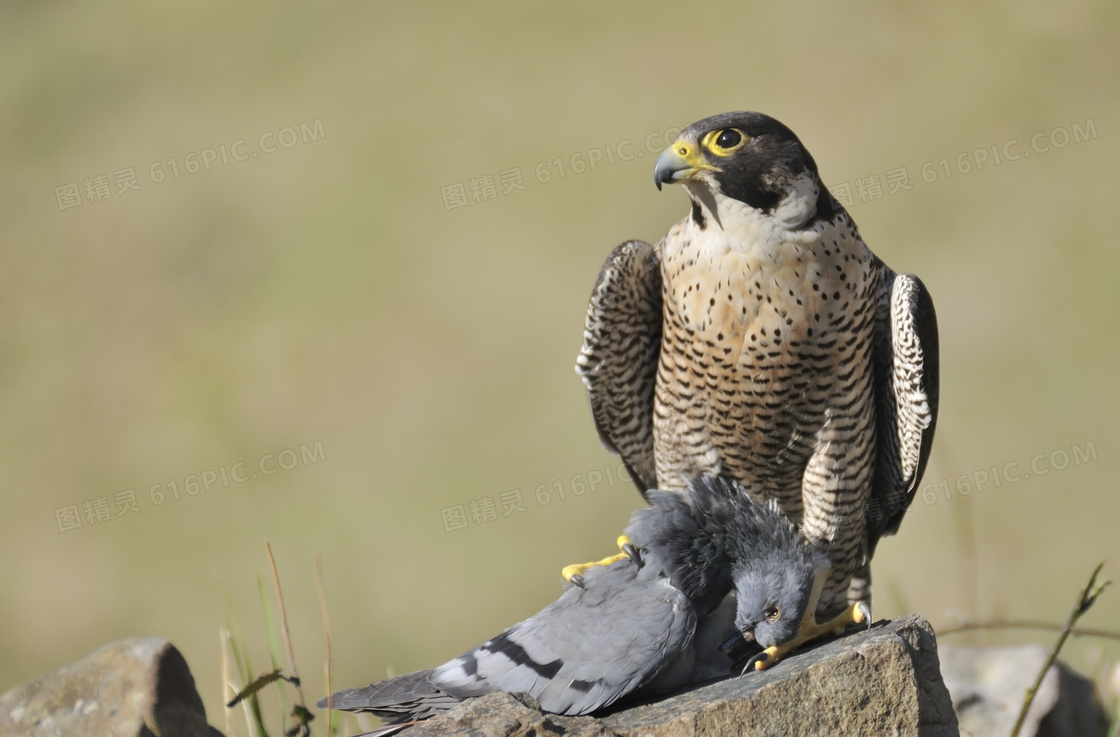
{"x": 737, "y": 639}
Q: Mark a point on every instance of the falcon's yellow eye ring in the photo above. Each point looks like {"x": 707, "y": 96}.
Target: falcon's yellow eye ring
{"x": 725, "y": 141}
{"x": 773, "y": 614}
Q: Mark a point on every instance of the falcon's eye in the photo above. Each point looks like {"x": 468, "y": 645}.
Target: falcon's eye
{"x": 724, "y": 142}
{"x": 773, "y": 614}
{"x": 729, "y": 138}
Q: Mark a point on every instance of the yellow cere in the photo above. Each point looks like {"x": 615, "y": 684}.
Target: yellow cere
{"x": 691, "y": 156}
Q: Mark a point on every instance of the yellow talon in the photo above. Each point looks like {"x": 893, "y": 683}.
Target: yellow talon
{"x": 810, "y": 630}
{"x": 574, "y": 572}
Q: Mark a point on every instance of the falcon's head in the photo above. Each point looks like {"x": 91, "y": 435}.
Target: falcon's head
{"x": 750, "y": 158}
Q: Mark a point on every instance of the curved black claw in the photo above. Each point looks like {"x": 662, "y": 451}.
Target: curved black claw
{"x": 578, "y": 581}
{"x": 631, "y": 551}
{"x": 761, "y": 657}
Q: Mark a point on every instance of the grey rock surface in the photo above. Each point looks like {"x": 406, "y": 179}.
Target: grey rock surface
{"x": 988, "y": 684}
{"x": 140, "y": 686}
{"x": 886, "y": 681}
{"x": 506, "y": 715}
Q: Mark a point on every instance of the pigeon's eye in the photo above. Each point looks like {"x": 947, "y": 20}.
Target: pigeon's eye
{"x": 724, "y": 142}
{"x": 773, "y": 614}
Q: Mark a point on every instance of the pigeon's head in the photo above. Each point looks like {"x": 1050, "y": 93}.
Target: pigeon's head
{"x": 772, "y": 593}
{"x": 772, "y": 568}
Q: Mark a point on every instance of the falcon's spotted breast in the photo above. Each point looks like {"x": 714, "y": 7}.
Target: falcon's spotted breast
{"x": 762, "y": 341}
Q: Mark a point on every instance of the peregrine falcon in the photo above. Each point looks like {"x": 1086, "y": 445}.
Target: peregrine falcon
{"x": 763, "y": 342}
{"x": 651, "y": 622}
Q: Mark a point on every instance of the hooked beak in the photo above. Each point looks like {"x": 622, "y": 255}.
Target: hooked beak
{"x": 678, "y": 163}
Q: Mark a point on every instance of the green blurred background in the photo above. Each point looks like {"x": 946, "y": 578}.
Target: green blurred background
{"x": 321, "y": 291}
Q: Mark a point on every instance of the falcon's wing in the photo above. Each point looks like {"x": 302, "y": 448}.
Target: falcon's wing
{"x": 618, "y": 360}
{"x": 587, "y": 649}
{"x": 906, "y": 396}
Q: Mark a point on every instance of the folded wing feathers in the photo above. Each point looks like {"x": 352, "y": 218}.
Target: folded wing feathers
{"x": 907, "y": 392}
{"x": 618, "y": 360}
{"x": 585, "y": 650}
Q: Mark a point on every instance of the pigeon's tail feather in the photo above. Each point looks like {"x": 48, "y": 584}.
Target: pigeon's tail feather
{"x": 387, "y": 730}
{"x": 407, "y": 697}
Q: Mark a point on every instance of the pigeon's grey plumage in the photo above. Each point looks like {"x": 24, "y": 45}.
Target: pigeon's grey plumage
{"x": 651, "y": 622}
{"x": 762, "y": 341}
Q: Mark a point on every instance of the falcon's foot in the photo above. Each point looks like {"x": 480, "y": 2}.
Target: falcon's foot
{"x": 811, "y": 630}
{"x": 573, "y": 572}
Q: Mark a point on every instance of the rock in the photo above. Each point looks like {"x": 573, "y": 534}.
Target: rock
{"x": 886, "y": 681}
{"x": 140, "y": 686}
{"x": 882, "y": 682}
{"x": 988, "y": 685}
{"x": 507, "y": 715}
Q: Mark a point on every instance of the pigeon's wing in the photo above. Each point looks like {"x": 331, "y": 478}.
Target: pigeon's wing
{"x": 704, "y": 659}
{"x": 906, "y": 394}
{"x": 587, "y": 649}
{"x": 411, "y": 695}
{"x": 621, "y": 348}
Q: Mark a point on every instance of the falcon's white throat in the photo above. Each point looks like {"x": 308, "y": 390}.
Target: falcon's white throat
{"x": 800, "y": 203}
{"x": 736, "y": 226}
